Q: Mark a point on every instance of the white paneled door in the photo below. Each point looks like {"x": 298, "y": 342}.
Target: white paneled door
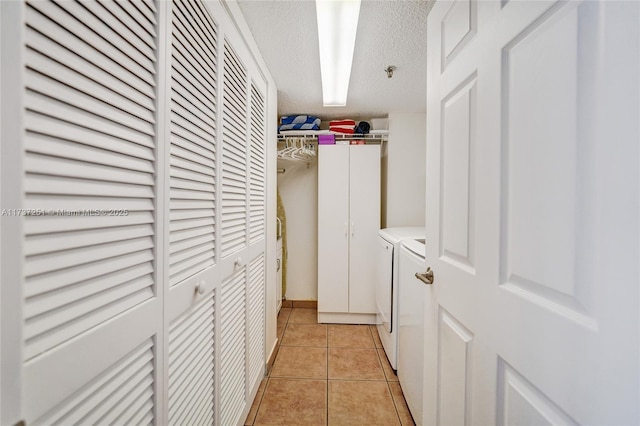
{"x": 532, "y": 213}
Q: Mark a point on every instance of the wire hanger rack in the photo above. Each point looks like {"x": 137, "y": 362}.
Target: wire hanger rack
{"x": 297, "y": 149}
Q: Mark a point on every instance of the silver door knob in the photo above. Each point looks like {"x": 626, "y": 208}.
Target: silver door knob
{"x": 427, "y": 277}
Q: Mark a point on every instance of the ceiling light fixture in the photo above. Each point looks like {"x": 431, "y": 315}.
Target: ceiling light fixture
{"x": 337, "y": 26}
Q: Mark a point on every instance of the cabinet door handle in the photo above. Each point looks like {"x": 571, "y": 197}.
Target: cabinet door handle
{"x": 346, "y": 229}
{"x": 278, "y": 263}
{"x": 427, "y": 277}
{"x": 353, "y": 228}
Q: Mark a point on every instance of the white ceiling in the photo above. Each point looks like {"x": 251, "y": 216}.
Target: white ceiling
{"x": 391, "y": 32}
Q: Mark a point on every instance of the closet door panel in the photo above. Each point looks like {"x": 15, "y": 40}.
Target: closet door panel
{"x": 193, "y": 210}
{"x": 191, "y": 365}
{"x": 333, "y": 228}
{"x": 232, "y": 347}
{"x": 192, "y": 183}
{"x": 90, "y": 167}
{"x": 255, "y": 321}
{"x": 364, "y": 200}
{"x": 257, "y": 166}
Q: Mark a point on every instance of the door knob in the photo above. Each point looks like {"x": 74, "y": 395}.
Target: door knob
{"x": 200, "y": 287}
{"x": 238, "y": 261}
{"x": 427, "y": 277}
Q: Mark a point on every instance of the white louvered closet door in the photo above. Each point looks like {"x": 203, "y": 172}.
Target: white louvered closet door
{"x": 90, "y": 290}
{"x": 192, "y": 297}
{"x": 257, "y": 214}
{"x": 233, "y": 229}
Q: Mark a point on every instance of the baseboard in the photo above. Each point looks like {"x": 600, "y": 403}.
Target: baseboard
{"x": 345, "y": 318}
{"x": 309, "y": 304}
{"x": 272, "y": 356}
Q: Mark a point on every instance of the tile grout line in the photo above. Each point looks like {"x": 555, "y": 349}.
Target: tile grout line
{"x": 327, "y": 381}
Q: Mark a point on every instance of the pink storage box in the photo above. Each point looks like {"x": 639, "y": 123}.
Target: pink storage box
{"x": 328, "y": 139}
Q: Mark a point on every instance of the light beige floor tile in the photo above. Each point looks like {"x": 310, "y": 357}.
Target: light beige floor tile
{"x": 401, "y": 405}
{"x": 354, "y": 364}
{"x": 360, "y": 403}
{"x": 376, "y": 336}
{"x": 283, "y": 315}
{"x": 303, "y": 316}
{"x": 256, "y": 403}
{"x": 280, "y": 331}
{"x": 293, "y": 402}
{"x": 305, "y": 335}
{"x": 300, "y": 362}
{"x": 350, "y": 336}
{"x": 388, "y": 371}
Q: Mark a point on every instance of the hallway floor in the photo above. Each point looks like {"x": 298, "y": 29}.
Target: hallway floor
{"x": 328, "y": 375}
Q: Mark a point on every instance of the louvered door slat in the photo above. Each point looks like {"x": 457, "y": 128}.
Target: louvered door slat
{"x": 141, "y": 40}
{"x": 182, "y": 83}
{"x": 234, "y": 154}
{"x": 193, "y": 144}
{"x": 47, "y": 87}
{"x": 102, "y": 397}
{"x": 121, "y": 40}
{"x": 194, "y": 126}
{"x": 44, "y": 105}
{"x": 46, "y": 145}
{"x": 39, "y": 244}
{"x": 74, "y": 26}
{"x": 147, "y": 21}
{"x": 148, "y": 9}
{"x": 232, "y": 347}
{"x": 41, "y": 65}
{"x": 189, "y": 70}
{"x": 76, "y": 46}
{"x": 90, "y": 126}
{"x": 43, "y": 129}
{"x": 203, "y": 25}
{"x": 191, "y": 364}
{"x": 186, "y": 31}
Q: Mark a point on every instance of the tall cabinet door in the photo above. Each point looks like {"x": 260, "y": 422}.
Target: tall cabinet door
{"x": 333, "y": 228}
{"x": 364, "y": 223}
{"x": 92, "y": 292}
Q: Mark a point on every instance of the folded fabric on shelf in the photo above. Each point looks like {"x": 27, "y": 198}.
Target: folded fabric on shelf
{"x": 299, "y": 122}
{"x": 297, "y": 119}
{"x": 342, "y": 126}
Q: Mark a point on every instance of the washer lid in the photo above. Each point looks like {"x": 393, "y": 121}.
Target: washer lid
{"x": 395, "y": 235}
{"x": 416, "y": 246}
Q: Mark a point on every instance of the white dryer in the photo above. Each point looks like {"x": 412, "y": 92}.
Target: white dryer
{"x": 387, "y": 286}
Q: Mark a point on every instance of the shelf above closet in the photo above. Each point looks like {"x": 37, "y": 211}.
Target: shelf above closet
{"x": 373, "y": 136}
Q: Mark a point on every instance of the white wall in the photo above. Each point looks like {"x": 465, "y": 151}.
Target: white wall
{"x": 299, "y": 191}
{"x": 404, "y": 171}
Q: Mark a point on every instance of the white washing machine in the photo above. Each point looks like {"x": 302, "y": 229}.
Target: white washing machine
{"x": 387, "y": 286}
{"x": 411, "y": 324}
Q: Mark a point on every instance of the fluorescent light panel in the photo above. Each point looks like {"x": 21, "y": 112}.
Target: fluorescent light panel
{"x": 337, "y": 26}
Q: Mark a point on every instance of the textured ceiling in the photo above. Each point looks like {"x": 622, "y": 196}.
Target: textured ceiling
{"x": 391, "y": 32}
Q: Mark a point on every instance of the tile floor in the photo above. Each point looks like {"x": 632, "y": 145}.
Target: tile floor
{"x": 328, "y": 375}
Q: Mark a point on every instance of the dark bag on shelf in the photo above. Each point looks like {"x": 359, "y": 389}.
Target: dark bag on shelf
{"x": 362, "y": 128}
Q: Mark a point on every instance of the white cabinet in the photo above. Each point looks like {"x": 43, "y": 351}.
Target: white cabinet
{"x": 348, "y": 224}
